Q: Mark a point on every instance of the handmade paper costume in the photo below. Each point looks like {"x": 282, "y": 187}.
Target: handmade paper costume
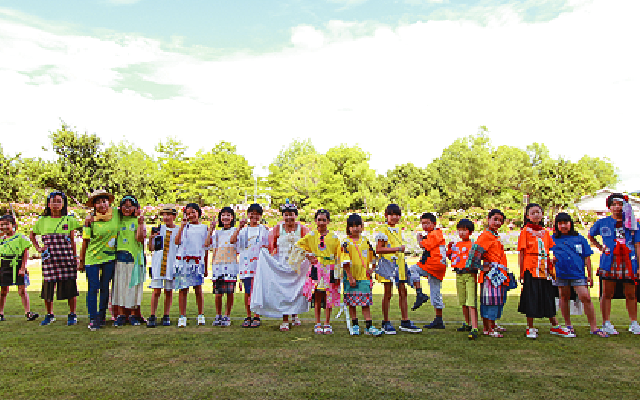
{"x": 189, "y": 263}
{"x": 325, "y": 275}
{"x": 359, "y": 255}
{"x": 224, "y": 268}
{"x": 162, "y": 261}
{"x": 537, "y": 299}
{"x": 11, "y": 257}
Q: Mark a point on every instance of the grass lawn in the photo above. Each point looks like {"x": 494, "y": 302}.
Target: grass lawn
{"x": 211, "y": 362}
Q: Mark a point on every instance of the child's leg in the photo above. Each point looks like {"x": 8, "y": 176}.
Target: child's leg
{"x": 199, "y": 299}
{"x": 529, "y": 322}
{"x": 72, "y": 302}
{"x": 317, "y": 298}
{"x": 182, "y": 301}
{"x": 24, "y": 296}
{"x": 608, "y": 288}
{"x": 168, "y": 298}
{"x": 366, "y": 313}
{"x": 402, "y": 301}
{"x": 3, "y": 298}
{"x": 48, "y": 306}
{"x": 585, "y": 298}
{"x": 327, "y": 315}
{"x": 473, "y": 315}
{"x": 352, "y": 313}
{"x": 155, "y": 296}
{"x": 632, "y": 304}
{"x": 386, "y": 300}
{"x": 218, "y": 297}
{"x": 229, "y": 303}
{"x": 565, "y": 295}
{"x": 465, "y": 312}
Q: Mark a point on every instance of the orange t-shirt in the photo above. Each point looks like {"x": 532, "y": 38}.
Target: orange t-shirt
{"x": 494, "y": 251}
{"x": 458, "y": 253}
{"x": 436, "y": 263}
{"x": 535, "y": 245}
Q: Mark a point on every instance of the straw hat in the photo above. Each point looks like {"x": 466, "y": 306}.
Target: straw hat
{"x": 97, "y": 193}
{"x": 168, "y": 210}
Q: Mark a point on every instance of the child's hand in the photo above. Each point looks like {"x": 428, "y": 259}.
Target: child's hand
{"x": 206, "y": 272}
{"x": 89, "y": 219}
{"x": 352, "y": 281}
{"x": 81, "y": 265}
{"x": 401, "y": 249}
{"x": 312, "y": 259}
{"x": 242, "y": 223}
{"x": 369, "y": 273}
{"x": 590, "y": 281}
{"x": 22, "y": 271}
{"x": 140, "y": 215}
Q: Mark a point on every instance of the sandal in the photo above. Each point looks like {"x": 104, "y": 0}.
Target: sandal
{"x": 318, "y": 329}
{"x": 499, "y": 328}
{"x": 485, "y": 332}
{"x": 328, "y": 330}
{"x": 601, "y": 333}
{"x": 247, "y": 322}
{"x": 495, "y": 334}
{"x": 297, "y": 321}
{"x": 284, "y": 327}
{"x": 570, "y": 329}
{"x": 256, "y": 322}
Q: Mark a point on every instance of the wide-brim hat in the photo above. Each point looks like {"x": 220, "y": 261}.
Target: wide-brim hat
{"x": 98, "y": 193}
{"x": 168, "y": 210}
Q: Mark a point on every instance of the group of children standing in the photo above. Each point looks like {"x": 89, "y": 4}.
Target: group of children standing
{"x": 112, "y": 253}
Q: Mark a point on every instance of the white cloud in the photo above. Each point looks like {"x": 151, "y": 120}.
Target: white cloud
{"x": 401, "y": 93}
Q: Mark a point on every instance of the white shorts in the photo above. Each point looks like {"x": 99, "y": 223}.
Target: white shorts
{"x": 165, "y": 284}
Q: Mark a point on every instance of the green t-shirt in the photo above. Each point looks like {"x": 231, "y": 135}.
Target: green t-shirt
{"x": 127, "y": 236}
{"x": 63, "y": 225}
{"x": 14, "y": 245}
{"x": 102, "y": 240}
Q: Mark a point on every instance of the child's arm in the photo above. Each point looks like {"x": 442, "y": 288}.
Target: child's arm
{"x": 141, "y": 233}
{"x": 587, "y": 264}
{"x": 150, "y": 245}
{"x": 521, "y": 263}
{"x": 347, "y": 269}
{"x": 83, "y": 252}
{"x": 382, "y": 249}
{"x": 273, "y": 239}
{"x": 183, "y": 223}
{"x": 234, "y": 237}
{"x": 595, "y": 243}
{"x": 34, "y": 241}
{"x": 23, "y": 267}
{"x": 206, "y": 263}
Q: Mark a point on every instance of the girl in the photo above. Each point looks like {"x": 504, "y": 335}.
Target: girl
{"x": 191, "y": 261}
{"x": 322, "y": 287}
{"x": 98, "y": 253}
{"x": 249, "y": 241}
{"x": 224, "y": 267}
{"x": 487, "y": 255}
{"x": 619, "y": 259}
{"x": 537, "y": 299}
{"x": 571, "y": 254}
{"x": 59, "y": 259}
{"x": 128, "y": 276}
{"x": 356, "y": 256}
{"x": 14, "y": 253}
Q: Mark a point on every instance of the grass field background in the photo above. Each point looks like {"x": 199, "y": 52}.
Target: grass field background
{"x": 213, "y": 362}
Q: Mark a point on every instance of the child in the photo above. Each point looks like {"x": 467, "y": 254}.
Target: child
{"x": 571, "y": 254}
{"x": 128, "y": 276}
{"x": 433, "y": 265}
{"x": 322, "y": 287}
{"x": 466, "y": 277}
{"x": 250, "y": 240}
{"x": 537, "y": 299}
{"x": 389, "y": 245}
{"x": 619, "y": 259}
{"x": 163, "y": 247}
{"x": 487, "y": 255}
{"x": 59, "y": 260}
{"x": 191, "y": 266}
{"x": 224, "y": 267}
{"x": 356, "y": 256}
{"x": 14, "y": 253}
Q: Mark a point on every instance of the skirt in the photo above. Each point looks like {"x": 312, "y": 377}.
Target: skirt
{"x": 121, "y": 294}
{"x": 537, "y": 299}
{"x": 359, "y": 295}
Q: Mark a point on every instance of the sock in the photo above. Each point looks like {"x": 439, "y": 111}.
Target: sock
{"x": 166, "y": 315}
{"x": 474, "y": 330}
{"x": 354, "y": 321}
{"x": 404, "y": 322}
{"x": 368, "y": 323}
{"x": 384, "y": 322}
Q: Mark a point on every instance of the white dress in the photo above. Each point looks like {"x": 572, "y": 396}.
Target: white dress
{"x": 250, "y": 240}
{"x": 225, "y": 260}
{"x": 189, "y": 264}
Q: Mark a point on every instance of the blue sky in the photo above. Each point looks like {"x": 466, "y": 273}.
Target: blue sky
{"x": 415, "y": 73}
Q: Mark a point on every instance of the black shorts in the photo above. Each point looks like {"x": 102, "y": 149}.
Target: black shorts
{"x": 67, "y": 289}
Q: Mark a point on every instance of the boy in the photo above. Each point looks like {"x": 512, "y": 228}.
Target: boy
{"x": 466, "y": 277}
{"x": 389, "y": 245}
{"x": 163, "y": 248}
{"x": 433, "y": 265}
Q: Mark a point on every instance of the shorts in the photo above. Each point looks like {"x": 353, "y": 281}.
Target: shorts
{"x": 435, "y": 285}
{"x": 67, "y": 289}
{"x": 491, "y": 312}
{"x": 248, "y": 284}
{"x": 466, "y": 288}
{"x": 221, "y": 286}
{"x": 166, "y": 284}
{"x": 571, "y": 282}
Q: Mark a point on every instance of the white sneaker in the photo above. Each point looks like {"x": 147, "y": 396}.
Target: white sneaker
{"x": 297, "y": 321}
{"x": 609, "y": 328}
{"x": 634, "y": 328}
{"x": 532, "y": 333}
{"x": 182, "y": 322}
{"x": 201, "y": 319}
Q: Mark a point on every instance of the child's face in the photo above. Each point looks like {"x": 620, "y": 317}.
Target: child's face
{"x": 254, "y": 218}
{"x": 289, "y": 217}
{"x": 101, "y": 205}
{"x": 56, "y": 203}
{"x": 495, "y": 222}
{"x": 616, "y": 207}
{"x": 355, "y": 231}
{"x": 6, "y": 227}
{"x": 464, "y": 234}
{"x": 564, "y": 227}
{"x": 392, "y": 219}
{"x": 168, "y": 218}
{"x": 427, "y": 224}
{"x": 192, "y": 215}
{"x": 128, "y": 209}
{"x": 321, "y": 222}
{"x": 226, "y": 219}
{"x": 535, "y": 215}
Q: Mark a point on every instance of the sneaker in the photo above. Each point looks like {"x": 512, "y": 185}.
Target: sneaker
{"x": 609, "y": 328}
{"x": 634, "y": 328}
{"x": 318, "y": 329}
{"x": 355, "y": 330}
{"x": 72, "y": 319}
{"x": 94, "y": 325}
{"x": 225, "y": 321}
{"x": 256, "y": 322}
{"x": 532, "y": 333}
{"x": 217, "y": 321}
{"x": 561, "y": 331}
{"x": 48, "y": 319}
{"x": 31, "y": 316}
{"x": 464, "y": 328}
{"x": 388, "y": 328}
{"x": 375, "y": 332}
{"x": 133, "y": 320}
{"x": 473, "y": 334}
{"x": 296, "y": 321}
{"x": 201, "y": 320}
{"x": 166, "y": 321}
{"x": 182, "y": 321}
{"x": 437, "y": 323}
{"x": 408, "y": 326}
{"x": 151, "y": 321}
{"x": 2, "y": 317}
{"x": 120, "y": 321}
{"x": 246, "y": 323}
{"x": 327, "y": 330}
{"x": 284, "y": 327}
{"x": 420, "y": 300}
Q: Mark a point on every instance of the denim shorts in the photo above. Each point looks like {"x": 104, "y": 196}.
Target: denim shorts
{"x": 571, "y": 282}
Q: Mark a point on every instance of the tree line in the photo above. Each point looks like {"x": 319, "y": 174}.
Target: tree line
{"x": 470, "y": 172}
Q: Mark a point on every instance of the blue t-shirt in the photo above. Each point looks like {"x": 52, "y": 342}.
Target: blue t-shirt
{"x": 606, "y": 227}
{"x": 570, "y": 251}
